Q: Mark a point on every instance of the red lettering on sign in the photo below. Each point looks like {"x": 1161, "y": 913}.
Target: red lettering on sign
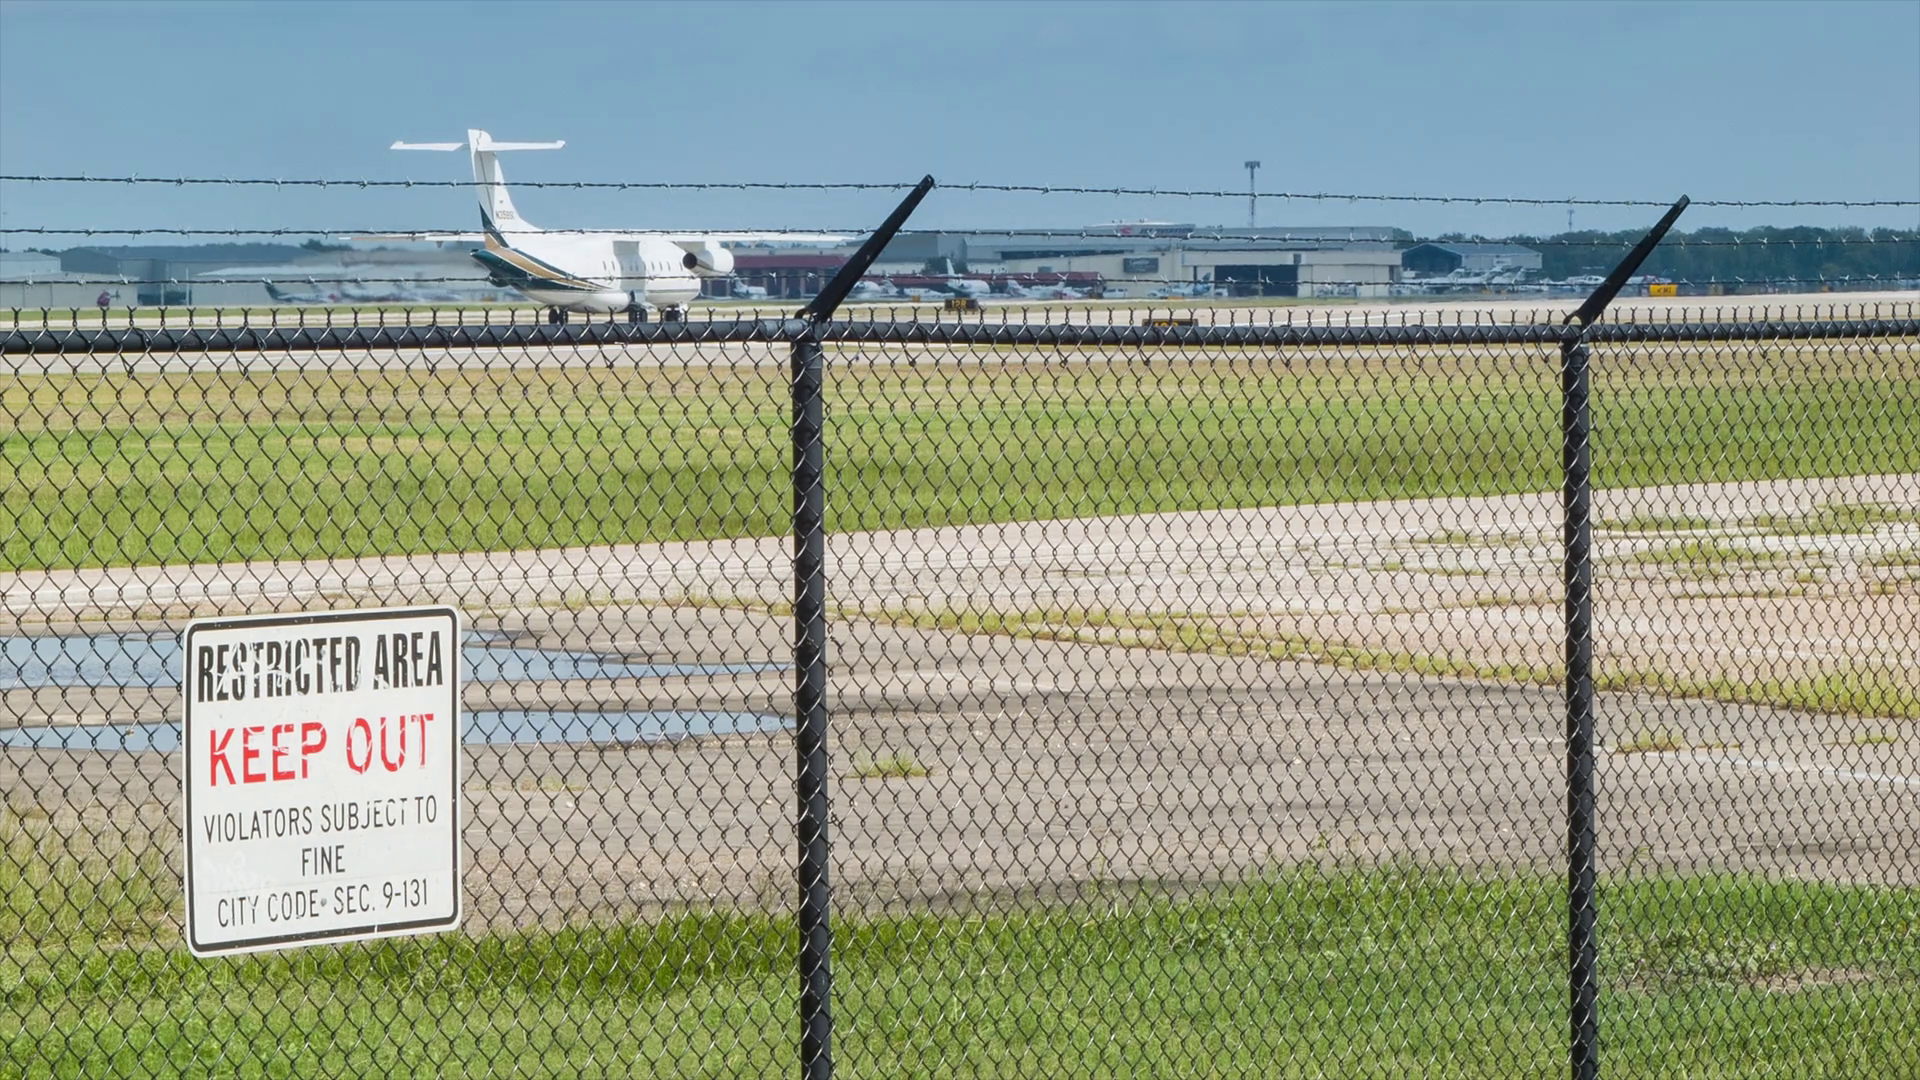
{"x": 280, "y": 753}
{"x": 422, "y": 718}
{"x": 217, "y": 760}
{"x": 263, "y": 764}
{"x": 249, "y": 754}
{"x": 313, "y": 739}
{"x": 393, "y": 764}
{"x": 365, "y": 732}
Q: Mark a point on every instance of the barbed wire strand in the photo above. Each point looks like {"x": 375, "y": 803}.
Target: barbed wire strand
{"x": 1039, "y": 189}
{"x": 416, "y": 236}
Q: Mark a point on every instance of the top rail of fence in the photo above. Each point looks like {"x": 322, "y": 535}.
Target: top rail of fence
{"x": 1146, "y": 329}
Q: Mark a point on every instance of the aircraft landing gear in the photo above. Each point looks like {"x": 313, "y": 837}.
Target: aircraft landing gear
{"x": 675, "y": 313}
{"x": 556, "y": 316}
{"x": 636, "y": 313}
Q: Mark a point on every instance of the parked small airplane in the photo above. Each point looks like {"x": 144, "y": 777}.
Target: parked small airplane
{"x": 1462, "y": 280}
{"x": 964, "y": 286}
{"x": 350, "y": 293}
{"x": 280, "y": 296}
{"x": 869, "y": 289}
{"x": 593, "y": 271}
{"x": 1043, "y": 292}
{"x": 350, "y": 283}
{"x": 1195, "y": 289}
{"x": 948, "y": 283}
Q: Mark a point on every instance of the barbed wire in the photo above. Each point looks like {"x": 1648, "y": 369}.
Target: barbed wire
{"x": 1674, "y": 240}
{"x": 1037, "y": 189}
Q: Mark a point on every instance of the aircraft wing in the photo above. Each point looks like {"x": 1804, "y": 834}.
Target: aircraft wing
{"x": 424, "y": 237}
{"x": 629, "y": 237}
{"x": 738, "y": 237}
{"x": 278, "y": 272}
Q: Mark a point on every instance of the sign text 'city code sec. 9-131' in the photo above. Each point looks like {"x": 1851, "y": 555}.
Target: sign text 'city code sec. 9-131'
{"x": 322, "y": 762}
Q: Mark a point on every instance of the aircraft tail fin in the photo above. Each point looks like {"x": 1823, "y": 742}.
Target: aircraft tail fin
{"x": 497, "y": 213}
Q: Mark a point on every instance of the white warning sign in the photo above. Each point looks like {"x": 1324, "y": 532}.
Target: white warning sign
{"x": 322, "y": 783}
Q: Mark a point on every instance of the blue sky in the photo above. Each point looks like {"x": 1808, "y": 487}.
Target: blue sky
{"x": 1639, "y": 101}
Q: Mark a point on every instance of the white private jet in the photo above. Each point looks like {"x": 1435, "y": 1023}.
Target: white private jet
{"x": 1184, "y": 290}
{"x": 867, "y": 289}
{"x": 588, "y": 271}
{"x": 964, "y": 286}
{"x": 281, "y": 296}
{"x": 1058, "y": 290}
{"x": 1017, "y": 291}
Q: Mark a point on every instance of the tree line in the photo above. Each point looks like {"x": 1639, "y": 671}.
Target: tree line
{"x": 1731, "y": 256}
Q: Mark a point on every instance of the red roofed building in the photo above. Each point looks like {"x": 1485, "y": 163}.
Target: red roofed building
{"x": 789, "y": 275}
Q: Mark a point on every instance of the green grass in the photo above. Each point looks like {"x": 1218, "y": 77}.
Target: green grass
{"x": 1660, "y": 523}
{"x": 198, "y": 465}
{"x": 1705, "y": 553}
{"x": 1858, "y": 690}
{"x": 1869, "y": 738}
{"x": 1378, "y": 972}
{"x": 894, "y": 767}
{"x": 1836, "y": 518}
{"x": 1826, "y": 520}
{"x": 70, "y": 877}
{"x": 1651, "y": 742}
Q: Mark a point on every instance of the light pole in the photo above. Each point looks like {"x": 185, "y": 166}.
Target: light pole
{"x": 1251, "y": 204}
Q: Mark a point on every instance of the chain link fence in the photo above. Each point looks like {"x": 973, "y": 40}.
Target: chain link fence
{"x": 1193, "y": 689}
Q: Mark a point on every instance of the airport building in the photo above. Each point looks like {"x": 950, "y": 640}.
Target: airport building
{"x": 1136, "y": 260}
{"x": 153, "y": 275}
{"x": 31, "y": 280}
{"x": 784, "y": 274}
{"x": 1437, "y": 260}
{"x": 1139, "y": 259}
{"x": 234, "y": 275}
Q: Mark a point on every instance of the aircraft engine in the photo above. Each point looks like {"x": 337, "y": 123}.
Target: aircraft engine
{"x": 711, "y": 260}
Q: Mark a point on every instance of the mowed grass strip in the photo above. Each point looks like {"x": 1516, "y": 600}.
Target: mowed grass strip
{"x": 1342, "y": 972}
{"x": 201, "y": 466}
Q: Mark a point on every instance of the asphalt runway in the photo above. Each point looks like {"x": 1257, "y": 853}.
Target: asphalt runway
{"x": 1168, "y": 701}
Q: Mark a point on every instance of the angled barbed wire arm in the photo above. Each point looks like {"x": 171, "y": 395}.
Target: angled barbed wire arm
{"x": 1596, "y": 304}
{"x": 823, "y": 305}
{"x": 1576, "y": 447}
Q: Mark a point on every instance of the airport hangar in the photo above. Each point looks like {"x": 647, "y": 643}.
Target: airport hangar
{"x": 1120, "y": 260}
{"x": 228, "y": 275}
{"x": 139, "y": 276}
{"x": 1441, "y": 259}
{"x": 34, "y": 280}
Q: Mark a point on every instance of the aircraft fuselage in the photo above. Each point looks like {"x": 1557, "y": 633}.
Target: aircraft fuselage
{"x": 588, "y": 273}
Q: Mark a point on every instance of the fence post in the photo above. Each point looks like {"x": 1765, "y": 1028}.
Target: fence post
{"x": 810, "y": 703}
{"x": 810, "y": 642}
{"x": 1576, "y": 498}
{"x": 1576, "y": 428}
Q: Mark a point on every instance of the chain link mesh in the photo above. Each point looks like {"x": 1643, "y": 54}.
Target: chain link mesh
{"x": 1195, "y": 702}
